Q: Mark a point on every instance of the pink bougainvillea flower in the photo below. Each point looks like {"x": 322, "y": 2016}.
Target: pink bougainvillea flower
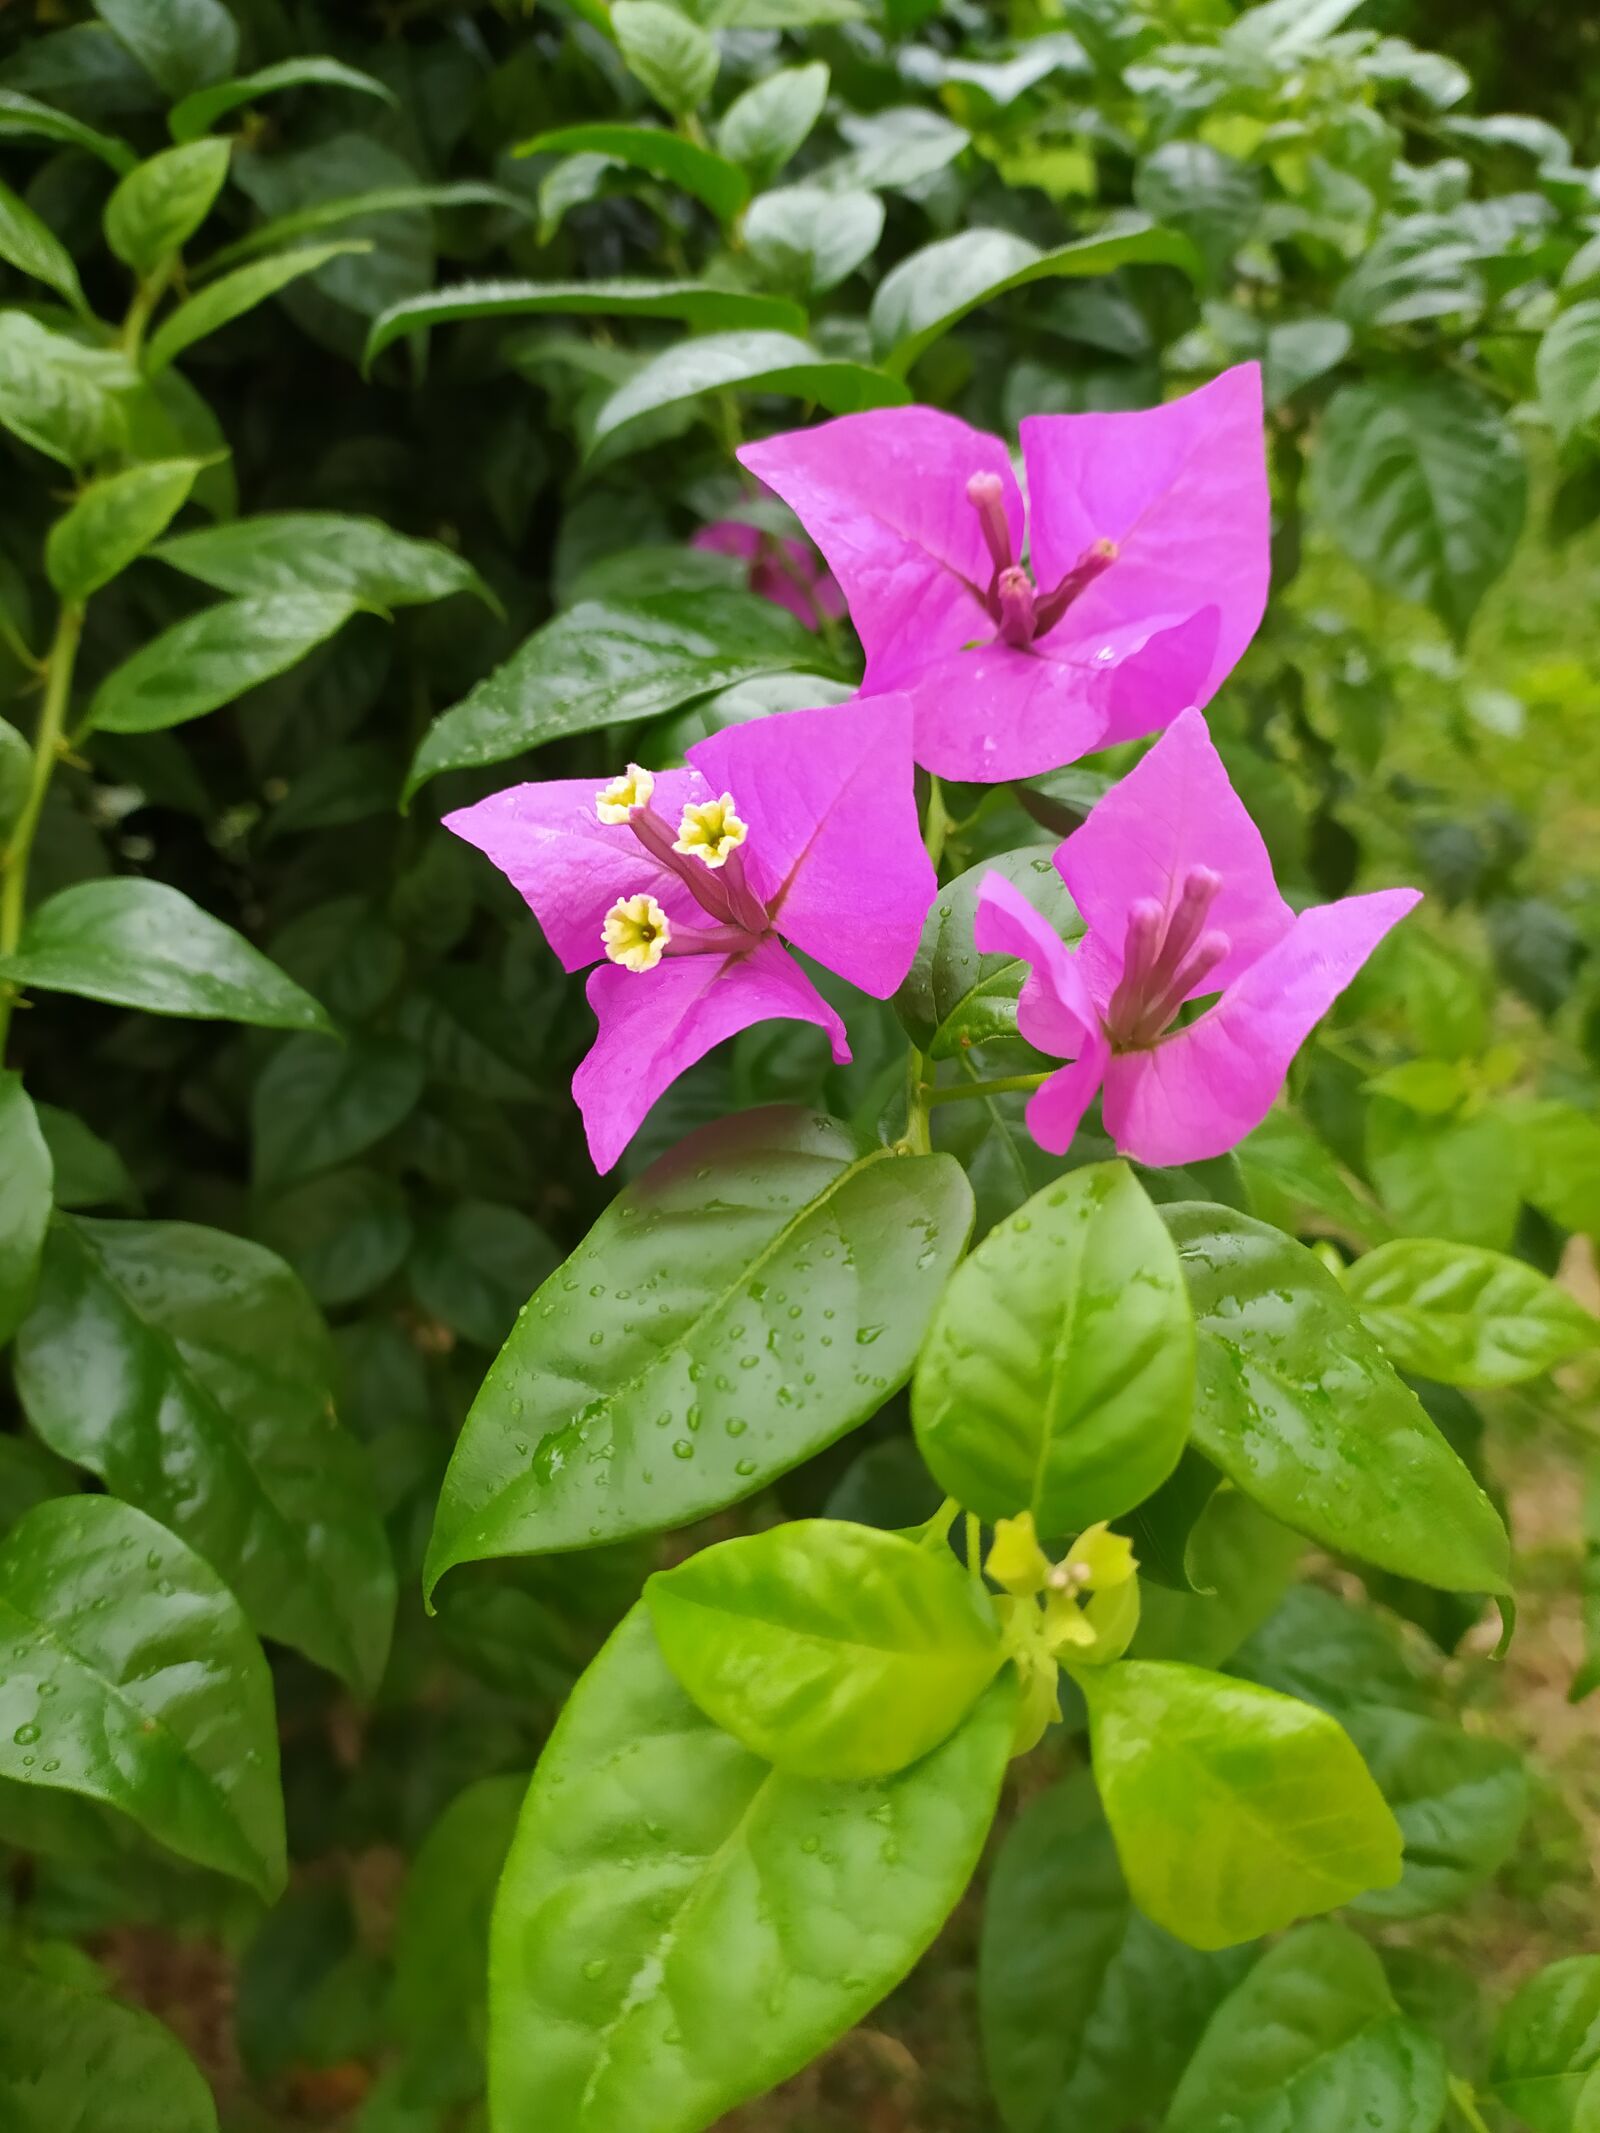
{"x": 1145, "y": 578}
{"x": 800, "y": 827}
{"x": 1176, "y": 891}
{"x": 785, "y": 570}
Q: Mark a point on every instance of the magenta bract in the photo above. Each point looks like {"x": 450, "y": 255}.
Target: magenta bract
{"x": 783, "y": 570}
{"x": 1177, "y": 894}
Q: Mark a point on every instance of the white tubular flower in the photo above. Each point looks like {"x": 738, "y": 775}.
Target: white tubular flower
{"x": 710, "y": 830}
{"x": 636, "y": 932}
{"x": 616, "y": 802}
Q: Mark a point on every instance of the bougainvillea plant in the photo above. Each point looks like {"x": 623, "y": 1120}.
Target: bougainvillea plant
{"x": 763, "y": 1286}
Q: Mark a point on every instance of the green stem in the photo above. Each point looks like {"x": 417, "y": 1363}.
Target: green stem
{"x": 146, "y": 296}
{"x": 47, "y": 746}
{"x": 1464, "y": 2097}
{"x": 974, "y": 1532}
{"x": 960, "y": 1092}
{"x": 936, "y": 824}
{"x": 918, "y": 1140}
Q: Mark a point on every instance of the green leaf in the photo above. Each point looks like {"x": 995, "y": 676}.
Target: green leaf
{"x": 345, "y": 1233}
{"x": 830, "y": 1650}
{"x": 1457, "y": 1177}
{"x": 708, "y": 1361}
{"x": 1212, "y": 199}
{"x": 141, "y": 944}
{"x": 189, "y": 1370}
{"x": 1297, "y": 1184}
{"x": 804, "y": 238}
{"x": 954, "y": 998}
{"x": 921, "y": 299}
{"x": 198, "y": 112}
{"x": 439, "y": 2005}
{"x": 891, "y": 150}
{"x": 132, "y": 1678}
{"x": 720, "y": 184}
{"x": 32, "y": 247}
{"x": 16, "y": 777}
{"x": 1299, "y": 1407}
{"x": 1559, "y": 1148}
{"x": 181, "y": 44}
{"x": 1546, "y": 2065}
{"x": 760, "y": 1915}
{"x": 59, "y": 396}
{"x": 1313, "y": 2038}
{"x": 25, "y": 118}
{"x": 25, "y": 1198}
{"x": 328, "y": 553}
{"x": 212, "y": 657}
{"x": 73, "y": 2057}
{"x": 1058, "y": 1374}
{"x": 609, "y": 663}
{"x": 1568, "y": 370}
{"x": 112, "y": 523}
{"x": 673, "y": 57}
{"x": 749, "y": 362}
{"x": 281, "y": 231}
{"x": 1422, "y": 267}
{"x": 1238, "y": 1562}
{"x": 1423, "y": 483}
{"x": 1235, "y": 1810}
{"x": 1089, "y": 2012}
{"x": 88, "y": 1171}
{"x": 158, "y": 207}
{"x": 765, "y": 126}
{"x": 321, "y": 1100}
{"x": 1464, "y": 1316}
{"x": 697, "y": 302}
{"x": 476, "y": 1266}
{"x": 222, "y": 301}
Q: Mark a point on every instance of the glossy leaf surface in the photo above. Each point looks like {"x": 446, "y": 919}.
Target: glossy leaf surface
{"x": 73, "y": 2057}
{"x": 1464, "y": 1316}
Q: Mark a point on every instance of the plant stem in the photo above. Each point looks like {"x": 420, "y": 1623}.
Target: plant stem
{"x": 974, "y": 1536}
{"x": 936, "y": 824}
{"x": 1464, "y": 2097}
{"x": 145, "y": 298}
{"x": 58, "y": 667}
{"x": 959, "y": 1092}
{"x": 917, "y": 1139}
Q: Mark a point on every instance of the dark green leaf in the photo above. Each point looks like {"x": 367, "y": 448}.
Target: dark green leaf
{"x": 369, "y": 206}
{"x": 25, "y": 1198}
{"x": 695, "y": 1346}
{"x": 344, "y": 1233}
{"x": 322, "y": 1100}
{"x": 181, "y": 44}
{"x": 1546, "y": 2066}
{"x": 1239, "y": 1562}
{"x": 72, "y": 2057}
{"x": 30, "y": 245}
{"x": 132, "y": 1678}
{"x": 1298, "y": 1406}
{"x": 188, "y": 1369}
{"x": 25, "y": 118}
{"x": 1569, "y": 369}
{"x": 1211, "y": 198}
{"x": 477, "y": 1265}
{"x": 760, "y": 1917}
{"x": 1058, "y": 1374}
{"x": 88, "y": 1171}
{"x": 158, "y": 206}
{"x": 955, "y": 998}
{"x": 831, "y": 1651}
{"x": 222, "y": 301}
{"x": 699, "y": 303}
{"x": 325, "y": 553}
{"x": 721, "y": 184}
{"x": 672, "y": 56}
{"x": 198, "y": 112}
{"x": 212, "y": 657}
{"x": 140, "y": 944}
{"x": 1464, "y": 1316}
{"x": 112, "y": 522}
{"x": 750, "y": 362}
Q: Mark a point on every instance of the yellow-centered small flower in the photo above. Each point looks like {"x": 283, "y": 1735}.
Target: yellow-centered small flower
{"x": 710, "y": 830}
{"x": 616, "y": 802}
{"x": 636, "y": 932}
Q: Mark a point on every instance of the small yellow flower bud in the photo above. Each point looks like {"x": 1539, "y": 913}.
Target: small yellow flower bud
{"x": 636, "y": 932}
{"x": 1099, "y": 1558}
{"x": 1016, "y": 1561}
{"x": 616, "y": 802}
{"x": 710, "y": 830}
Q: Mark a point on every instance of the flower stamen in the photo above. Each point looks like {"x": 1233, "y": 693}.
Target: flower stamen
{"x": 616, "y": 802}
{"x": 636, "y": 932}
{"x": 986, "y": 495}
{"x": 710, "y": 831}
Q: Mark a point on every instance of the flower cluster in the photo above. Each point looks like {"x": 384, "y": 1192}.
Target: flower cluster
{"x": 1002, "y": 640}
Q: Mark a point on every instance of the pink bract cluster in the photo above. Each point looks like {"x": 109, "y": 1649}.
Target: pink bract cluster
{"x": 1002, "y": 639}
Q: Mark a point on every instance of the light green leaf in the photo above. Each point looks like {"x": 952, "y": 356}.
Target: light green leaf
{"x": 674, "y": 58}
{"x": 59, "y": 396}
{"x": 750, "y": 362}
{"x": 804, "y": 238}
{"x": 1465, "y": 1316}
{"x": 321, "y": 1100}
{"x": 1559, "y": 1147}
{"x": 707, "y": 1363}
{"x": 1235, "y": 1810}
{"x": 697, "y": 302}
{"x": 1546, "y": 2066}
{"x": 830, "y": 1650}
{"x": 1297, "y": 1183}
{"x": 891, "y": 150}
{"x": 112, "y": 523}
{"x": 1058, "y": 1374}
{"x": 1299, "y": 1407}
{"x": 1569, "y": 370}
{"x": 327, "y": 553}
{"x": 181, "y": 44}
{"x": 74, "y": 2057}
{"x": 1313, "y": 2038}
{"x": 720, "y": 184}
{"x": 220, "y": 302}
{"x": 954, "y": 998}
{"x": 1422, "y": 267}
{"x": 212, "y": 657}
{"x": 1089, "y": 2012}
{"x": 30, "y": 245}
{"x": 198, "y": 112}
{"x": 142, "y": 944}
{"x": 189, "y": 1370}
{"x": 608, "y": 663}
{"x": 760, "y": 1917}
{"x": 1211, "y": 198}
{"x": 1457, "y": 1177}
{"x": 763, "y": 127}
{"x": 25, "y": 1199}
{"x": 921, "y": 299}
{"x": 16, "y": 777}
{"x": 158, "y": 207}
{"x": 1423, "y": 483}
{"x": 24, "y": 118}
{"x": 132, "y": 1678}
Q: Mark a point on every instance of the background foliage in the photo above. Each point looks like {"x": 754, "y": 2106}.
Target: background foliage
{"x": 386, "y": 264}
